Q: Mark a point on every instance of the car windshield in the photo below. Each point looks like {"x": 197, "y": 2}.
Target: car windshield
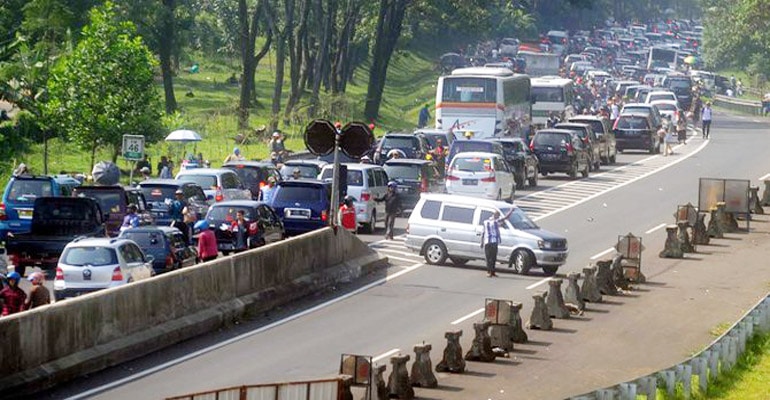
{"x": 144, "y": 239}
{"x": 228, "y": 213}
{"x": 398, "y": 143}
{"x": 519, "y": 219}
{"x": 108, "y": 201}
{"x": 632, "y": 123}
{"x": 355, "y": 178}
{"x": 432, "y": 138}
{"x": 297, "y": 194}
{"x": 404, "y": 172}
{"x": 654, "y": 97}
{"x": 596, "y": 125}
{"x": 158, "y": 193}
{"x": 679, "y": 84}
{"x": 513, "y": 147}
{"x": 550, "y": 139}
{"x": 636, "y": 109}
{"x": 248, "y": 175}
{"x": 548, "y": 94}
{"x": 472, "y": 164}
{"x": 27, "y": 190}
{"x": 93, "y": 256}
{"x": 204, "y": 181}
{"x": 665, "y": 107}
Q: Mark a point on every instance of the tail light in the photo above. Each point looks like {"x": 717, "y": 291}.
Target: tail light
{"x": 59, "y": 274}
{"x": 489, "y": 179}
{"x": 366, "y": 196}
{"x": 324, "y": 216}
{"x": 262, "y": 184}
{"x": 570, "y": 149}
{"x": 3, "y": 215}
{"x": 219, "y": 196}
{"x": 169, "y": 264}
{"x": 452, "y": 178}
{"x": 424, "y": 185}
{"x": 117, "y": 275}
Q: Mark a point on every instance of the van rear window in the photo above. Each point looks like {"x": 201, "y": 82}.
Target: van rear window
{"x": 461, "y": 215}
{"x": 430, "y": 209}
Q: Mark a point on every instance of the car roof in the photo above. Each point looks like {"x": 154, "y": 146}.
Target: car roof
{"x": 166, "y": 182}
{"x": 101, "y": 188}
{"x": 238, "y": 203}
{"x": 304, "y": 182}
{"x": 568, "y": 125}
{"x": 355, "y": 166}
{"x": 457, "y": 199}
{"x": 154, "y": 228}
{"x": 398, "y": 135}
{"x": 641, "y": 105}
{"x": 243, "y": 163}
{"x": 662, "y": 92}
{"x": 507, "y": 140}
{"x": 316, "y": 162}
{"x": 555, "y": 130}
{"x": 671, "y": 102}
{"x": 204, "y": 171}
{"x": 586, "y": 118}
{"x": 409, "y": 161}
{"x": 98, "y": 241}
{"x": 485, "y": 154}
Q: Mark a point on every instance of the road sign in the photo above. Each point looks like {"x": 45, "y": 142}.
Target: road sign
{"x": 133, "y": 147}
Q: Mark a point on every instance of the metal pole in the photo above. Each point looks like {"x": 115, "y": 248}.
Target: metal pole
{"x": 335, "y": 179}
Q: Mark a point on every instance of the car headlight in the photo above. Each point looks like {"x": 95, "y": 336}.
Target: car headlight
{"x": 544, "y": 245}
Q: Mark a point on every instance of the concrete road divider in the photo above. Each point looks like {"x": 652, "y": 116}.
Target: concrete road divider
{"x": 481, "y": 347}
{"x": 766, "y": 193}
{"x": 540, "y": 319}
{"x": 673, "y": 247}
{"x": 590, "y": 289}
{"x": 619, "y": 278}
{"x": 422, "y": 368}
{"x": 684, "y": 237}
{"x": 715, "y": 228}
{"x": 452, "y": 360}
{"x": 604, "y": 278}
{"x": 555, "y": 300}
{"x": 519, "y": 336}
{"x": 399, "y": 386}
{"x": 56, "y": 343}
{"x": 700, "y": 234}
{"x": 572, "y": 293}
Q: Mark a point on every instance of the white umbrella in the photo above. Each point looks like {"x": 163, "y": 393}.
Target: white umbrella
{"x": 183, "y": 135}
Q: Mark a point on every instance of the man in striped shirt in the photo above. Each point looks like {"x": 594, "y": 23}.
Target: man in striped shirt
{"x": 490, "y": 239}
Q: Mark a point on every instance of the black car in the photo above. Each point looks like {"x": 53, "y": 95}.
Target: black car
{"x": 264, "y": 224}
{"x": 413, "y": 177}
{"x": 165, "y": 244}
{"x": 603, "y": 131}
{"x": 159, "y": 194}
{"x": 636, "y": 132}
{"x": 521, "y": 159}
{"x": 254, "y": 174}
{"x": 408, "y": 144}
{"x": 432, "y": 136}
{"x": 560, "y": 150}
{"x": 588, "y": 136}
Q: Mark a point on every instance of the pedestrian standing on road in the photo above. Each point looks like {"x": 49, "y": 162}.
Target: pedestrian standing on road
{"x": 392, "y": 208}
{"x": 490, "y": 239}
{"x": 39, "y": 295}
{"x": 422, "y": 119}
{"x": 706, "y": 119}
{"x": 207, "y": 242}
{"x": 12, "y": 296}
{"x": 267, "y": 191}
{"x": 681, "y": 128}
{"x": 177, "y": 209}
{"x": 347, "y": 215}
{"x": 668, "y": 138}
{"x": 240, "y": 229}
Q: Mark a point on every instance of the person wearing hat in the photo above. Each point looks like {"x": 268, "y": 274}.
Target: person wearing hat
{"x": 12, "y": 296}
{"x": 392, "y": 208}
{"x": 366, "y": 160}
{"x": 235, "y": 156}
{"x": 296, "y": 174}
{"x": 277, "y": 146}
{"x": 145, "y": 173}
{"x": 131, "y": 219}
{"x": 39, "y": 295}
{"x": 347, "y": 215}
{"x": 266, "y": 192}
{"x": 705, "y": 116}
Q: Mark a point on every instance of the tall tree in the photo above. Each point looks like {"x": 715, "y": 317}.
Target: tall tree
{"x": 296, "y": 41}
{"x": 249, "y": 26}
{"x": 281, "y": 23}
{"x": 389, "y": 24}
{"x": 105, "y": 88}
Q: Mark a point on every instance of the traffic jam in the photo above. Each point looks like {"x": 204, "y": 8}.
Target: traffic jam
{"x": 506, "y": 115}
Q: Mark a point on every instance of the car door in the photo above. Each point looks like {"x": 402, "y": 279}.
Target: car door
{"x": 379, "y": 190}
{"x": 458, "y": 231}
{"x": 135, "y": 267}
{"x": 270, "y": 230}
{"x": 504, "y": 176}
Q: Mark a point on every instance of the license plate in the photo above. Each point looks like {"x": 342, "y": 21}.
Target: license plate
{"x": 403, "y": 189}
{"x": 550, "y": 156}
{"x": 25, "y": 214}
{"x": 297, "y": 213}
{"x": 470, "y": 181}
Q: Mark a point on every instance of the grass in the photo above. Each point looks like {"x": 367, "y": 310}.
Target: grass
{"x": 208, "y": 105}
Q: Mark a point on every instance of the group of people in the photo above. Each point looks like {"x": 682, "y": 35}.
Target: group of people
{"x": 14, "y": 299}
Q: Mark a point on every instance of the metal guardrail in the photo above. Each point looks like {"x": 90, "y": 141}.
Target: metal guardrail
{"x": 752, "y": 107}
{"x": 719, "y": 357}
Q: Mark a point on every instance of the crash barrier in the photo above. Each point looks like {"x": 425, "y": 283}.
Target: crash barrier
{"x": 753, "y": 107}
{"x": 55, "y": 343}
{"x": 719, "y": 357}
{"x": 322, "y": 389}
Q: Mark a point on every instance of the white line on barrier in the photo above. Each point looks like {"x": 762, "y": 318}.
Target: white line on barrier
{"x": 655, "y": 228}
{"x": 385, "y": 354}
{"x": 238, "y": 338}
{"x": 611, "y": 249}
{"x": 471, "y": 315}
{"x": 538, "y": 283}
{"x": 764, "y": 177}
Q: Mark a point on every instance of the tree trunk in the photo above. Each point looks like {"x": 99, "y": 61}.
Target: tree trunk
{"x": 389, "y": 25}
{"x": 322, "y": 55}
{"x": 166, "y": 47}
{"x": 280, "y": 64}
{"x": 342, "y": 57}
{"x": 296, "y": 56}
{"x": 247, "y": 43}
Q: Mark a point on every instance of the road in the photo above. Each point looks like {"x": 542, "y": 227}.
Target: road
{"x": 417, "y": 302}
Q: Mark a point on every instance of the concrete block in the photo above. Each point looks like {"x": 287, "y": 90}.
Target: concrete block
{"x": 555, "y": 301}
{"x": 669, "y": 381}
{"x": 590, "y": 289}
{"x": 452, "y": 360}
{"x": 684, "y": 238}
{"x": 572, "y": 293}
{"x": 700, "y": 234}
{"x": 754, "y": 204}
{"x": 627, "y": 391}
{"x": 422, "y": 368}
{"x": 604, "y": 279}
{"x": 518, "y": 334}
{"x": 699, "y": 367}
{"x": 399, "y": 385}
{"x": 540, "y": 319}
{"x": 715, "y": 229}
{"x": 713, "y": 360}
{"x": 618, "y": 275}
{"x": 648, "y": 386}
{"x": 766, "y": 193}
{"x": 672, "y": 247}
{"x": 684, "y": 375}
{"x": 481, "y": 347}
{"x": 377, "y": 389}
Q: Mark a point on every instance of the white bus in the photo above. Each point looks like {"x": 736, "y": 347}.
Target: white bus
{"x": 551, "y": 95}
{"x": 541, "y": 64}
{"x": 490, "y": 102}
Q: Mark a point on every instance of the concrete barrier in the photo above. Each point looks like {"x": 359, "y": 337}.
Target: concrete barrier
{"x": 52, "y": 344}
{"x": 752, "y": 107}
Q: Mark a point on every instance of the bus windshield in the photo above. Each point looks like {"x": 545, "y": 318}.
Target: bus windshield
{"x": 469, "y": 90}
{"x": 548, "y": 94}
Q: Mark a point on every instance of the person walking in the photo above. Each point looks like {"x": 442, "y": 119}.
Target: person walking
{"x": 207, "y": 242}
{"x": 347, "y": 215}
{"x": 392, "y": 208}
{"x": 681, "y": 128}
{"x": 423, "y": 117}
{"x": 706, "y": 119}
{"x": 490, "y": 239}
{"x": 39, "y": 295}
{"x": 12, "y": 296}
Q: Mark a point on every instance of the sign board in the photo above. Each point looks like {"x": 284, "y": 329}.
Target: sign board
{"x": 357, "y": 366}
{"x": 498, "y": 312}
{"x": 733, "y": 192}
{"x": 631, "y": 248}
{"x": 133, "y": 147}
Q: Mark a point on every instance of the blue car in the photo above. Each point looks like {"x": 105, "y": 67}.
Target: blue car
{"x": 304, "y": 205}
{"x": 165, "y": 244}
{"x": 19, "y": 198}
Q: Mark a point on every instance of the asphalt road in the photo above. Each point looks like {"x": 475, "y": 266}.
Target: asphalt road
{"x": 419, "y": 303}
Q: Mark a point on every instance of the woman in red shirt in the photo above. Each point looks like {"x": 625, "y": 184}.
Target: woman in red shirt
{"x": 12, "y": 296}
{"x": 207, "y": 241}
{"x": 348, "y": 215}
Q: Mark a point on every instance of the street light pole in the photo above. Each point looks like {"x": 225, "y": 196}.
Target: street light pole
{"x": 335, "y": 177}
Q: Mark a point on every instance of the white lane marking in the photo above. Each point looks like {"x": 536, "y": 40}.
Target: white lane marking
{"x": 238, "y": 338}
{"x": 385, "y": 354}
{"x": 395, "y": 251}
{"x": 599, "y": 193}
{"x": 400, "y": 258}
{"x": 538, "y": 283}
{"x": 471, "y": 315}
{"x": 764, "y": 177}
{"x": 611, "y": 249}
{"x": 655, "y": 228}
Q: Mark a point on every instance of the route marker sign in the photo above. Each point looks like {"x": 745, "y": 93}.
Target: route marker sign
{"x": 133, "y": 147}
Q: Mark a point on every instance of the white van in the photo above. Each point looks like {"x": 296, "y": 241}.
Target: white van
{"x": 480, "y": 174}
{"x": 551, "y": 95}
{"x": 366, "y": 182}
{"x": 448, "y": 226}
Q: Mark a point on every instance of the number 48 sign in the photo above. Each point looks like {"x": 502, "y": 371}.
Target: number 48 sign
{"x": 133, "y": 147}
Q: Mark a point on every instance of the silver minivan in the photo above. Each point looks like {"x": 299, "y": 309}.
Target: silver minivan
{"x": 448, "y": 226}
{"x": 366, "y": 182}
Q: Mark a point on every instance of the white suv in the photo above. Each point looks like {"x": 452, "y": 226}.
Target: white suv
{"x": 92, "y": 264}
{"x": 485, "y": 175}
{"x": 366, "y": 182}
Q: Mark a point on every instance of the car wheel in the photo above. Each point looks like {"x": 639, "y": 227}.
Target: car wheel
{"x": 550, "y": 270}
{"x": 573, "y": 171}
{"x": 370, "y": 226}
{"x": 435, "y": 252}
{"x": 598, "y": 164}
{"x": 544, "y": 173}
{"x": 533, "y": 179}
{"x": 521, "y": 262}
{"x": 613, "y": 158}
{"x": 520, "y": 178}
{"x": 585, "y": 172}
{"x": 458, "y": 261}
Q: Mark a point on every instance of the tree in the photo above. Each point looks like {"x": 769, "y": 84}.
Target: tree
{"x": 248, "y": 24}
{"x": 105, "y": 87}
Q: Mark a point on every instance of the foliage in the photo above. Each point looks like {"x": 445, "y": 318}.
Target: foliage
{"x": 737, "y": 34}
{"x": 105, "y": 88}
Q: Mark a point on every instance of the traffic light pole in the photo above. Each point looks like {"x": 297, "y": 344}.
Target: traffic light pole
{"x": 335, "y": 180}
